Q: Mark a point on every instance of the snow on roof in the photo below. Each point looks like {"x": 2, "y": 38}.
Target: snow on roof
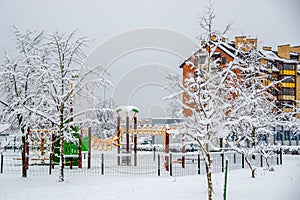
{"x": 270, "y": 55}
{"x": 294, "y": 54}
{"x": 228, "y": 46}
{"x": 263, "y": 68}
{"x": 223, "y": 48}
{"x": 274, "y": 68}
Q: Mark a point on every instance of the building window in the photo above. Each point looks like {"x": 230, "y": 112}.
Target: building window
{"x": 288, "y": 91}
{"x": 200, "y": 60}
{"x": 286, "y": 135}
{"x": 274, "y": 92}
{"x": 278, "y": 136}
{"x": 196, "y": 74}
{"x": 223, "y": 60}
{"x": 288, "y": 79}
{"x": 288, "y": 66}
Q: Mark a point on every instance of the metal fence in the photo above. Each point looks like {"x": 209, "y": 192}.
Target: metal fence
{"x": 141, "y": 164}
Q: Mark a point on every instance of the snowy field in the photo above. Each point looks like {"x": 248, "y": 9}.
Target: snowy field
{"x": 283, "y": 183}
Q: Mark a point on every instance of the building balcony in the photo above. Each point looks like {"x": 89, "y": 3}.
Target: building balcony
{"x": 287, "y": 85}
{"x": 266, "y": 82}
{"x": 288, "y": 72}
{"x": 286, "y": 97}
{"x": 287, "y": 109}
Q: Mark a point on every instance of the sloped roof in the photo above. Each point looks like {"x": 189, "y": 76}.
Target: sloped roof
{"x": 231, "y": 51}
{"x": 271, "y": 55}
{"x": 225, "y": 47}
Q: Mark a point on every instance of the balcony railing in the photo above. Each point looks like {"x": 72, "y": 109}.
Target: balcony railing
{"x": 287, "y": 85}
{"x": 287, "y": 72}
{"x": 286, "y": 97}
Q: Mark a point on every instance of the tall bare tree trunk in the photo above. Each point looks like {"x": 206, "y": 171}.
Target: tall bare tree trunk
{"x": 209, "y": 176}
{"x": 61, "y": 145}
{"x": 24, "y": 169}
{"x": 61, "y": 160}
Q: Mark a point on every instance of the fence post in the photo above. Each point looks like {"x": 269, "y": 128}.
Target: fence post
{"x": 223, "y": 159}
{"x": 234, "y": 158}
{"x": 243, "y": 161}
{"x": 158, "y": 164}
{"x": 225, "y": 181}
{"x": 90, "y": 147}
{"x": 222, "y": 154}
{"x": 277, "y": 157}
{"x": 171, "y": 168}
{"x": 102, "y": 164}
{"x": 154, "y": 153}
{"x": 1, "y": 170}
{"x": 50, "y": 164}
{"x": 280, "y": 156}
{"x": 261, "y": 161}
{"x": 198, "y": 163}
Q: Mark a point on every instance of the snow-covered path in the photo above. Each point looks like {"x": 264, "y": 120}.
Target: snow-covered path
{"x": 283, "y": 183}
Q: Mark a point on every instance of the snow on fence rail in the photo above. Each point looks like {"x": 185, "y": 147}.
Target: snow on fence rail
{"x": 141, "y": 164}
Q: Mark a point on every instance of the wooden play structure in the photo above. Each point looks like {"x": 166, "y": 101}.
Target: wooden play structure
{"x": 44, "y": 143}
{"x": 116, "y": 139}
{"x": 45, "y": 146}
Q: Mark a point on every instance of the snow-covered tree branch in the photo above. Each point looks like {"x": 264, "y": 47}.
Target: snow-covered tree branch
{"x": 41, "y": 84}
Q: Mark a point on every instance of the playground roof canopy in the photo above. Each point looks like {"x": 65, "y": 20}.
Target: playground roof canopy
{"x": 127, "y": 109}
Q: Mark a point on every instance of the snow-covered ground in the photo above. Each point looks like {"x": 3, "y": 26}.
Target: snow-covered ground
{"x": 283, "y": 183}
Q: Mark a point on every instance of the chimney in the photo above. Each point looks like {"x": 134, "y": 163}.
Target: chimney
{"x": 245, "y": 43}
{"x": 296, "y": 49}
{"x": 224, "y": 39}
{"x": 284, "y": 51}
{"x": 213, "y": 38}
{"x": 239, "y": 40}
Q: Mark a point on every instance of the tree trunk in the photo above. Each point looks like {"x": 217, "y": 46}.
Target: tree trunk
{"x": 61, "y": 160}
{"x": 24, "y": 168}
{"x": 251, "y": 168}
{"x": 268, "y": 165}
{"x": 209, "y": 176}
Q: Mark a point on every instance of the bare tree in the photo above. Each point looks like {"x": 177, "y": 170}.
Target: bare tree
{"x": 63, "y": 82}
{"x": 253, "y": 113}
{"x": 17, "y": 85}
{"x": 206, "y": 95}
{"x": 41, "y": 85}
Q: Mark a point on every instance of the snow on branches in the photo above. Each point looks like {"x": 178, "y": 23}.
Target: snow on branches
{"x": 40, "y": 85}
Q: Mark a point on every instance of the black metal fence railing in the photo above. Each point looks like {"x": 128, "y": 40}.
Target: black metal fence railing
{"x": 140, "y": 164}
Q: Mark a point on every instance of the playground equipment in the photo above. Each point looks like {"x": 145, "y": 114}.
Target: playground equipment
{"x": 43, "y": 140}
{"x": 127, "y": 109}
{"x": 107, "y": 144}
{"x": 126, "y": 147}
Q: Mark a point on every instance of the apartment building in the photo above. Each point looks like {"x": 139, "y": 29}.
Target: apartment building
{"x": 281, "y": 64}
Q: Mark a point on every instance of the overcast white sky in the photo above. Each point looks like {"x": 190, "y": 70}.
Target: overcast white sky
{"x": 273, "y": 22}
